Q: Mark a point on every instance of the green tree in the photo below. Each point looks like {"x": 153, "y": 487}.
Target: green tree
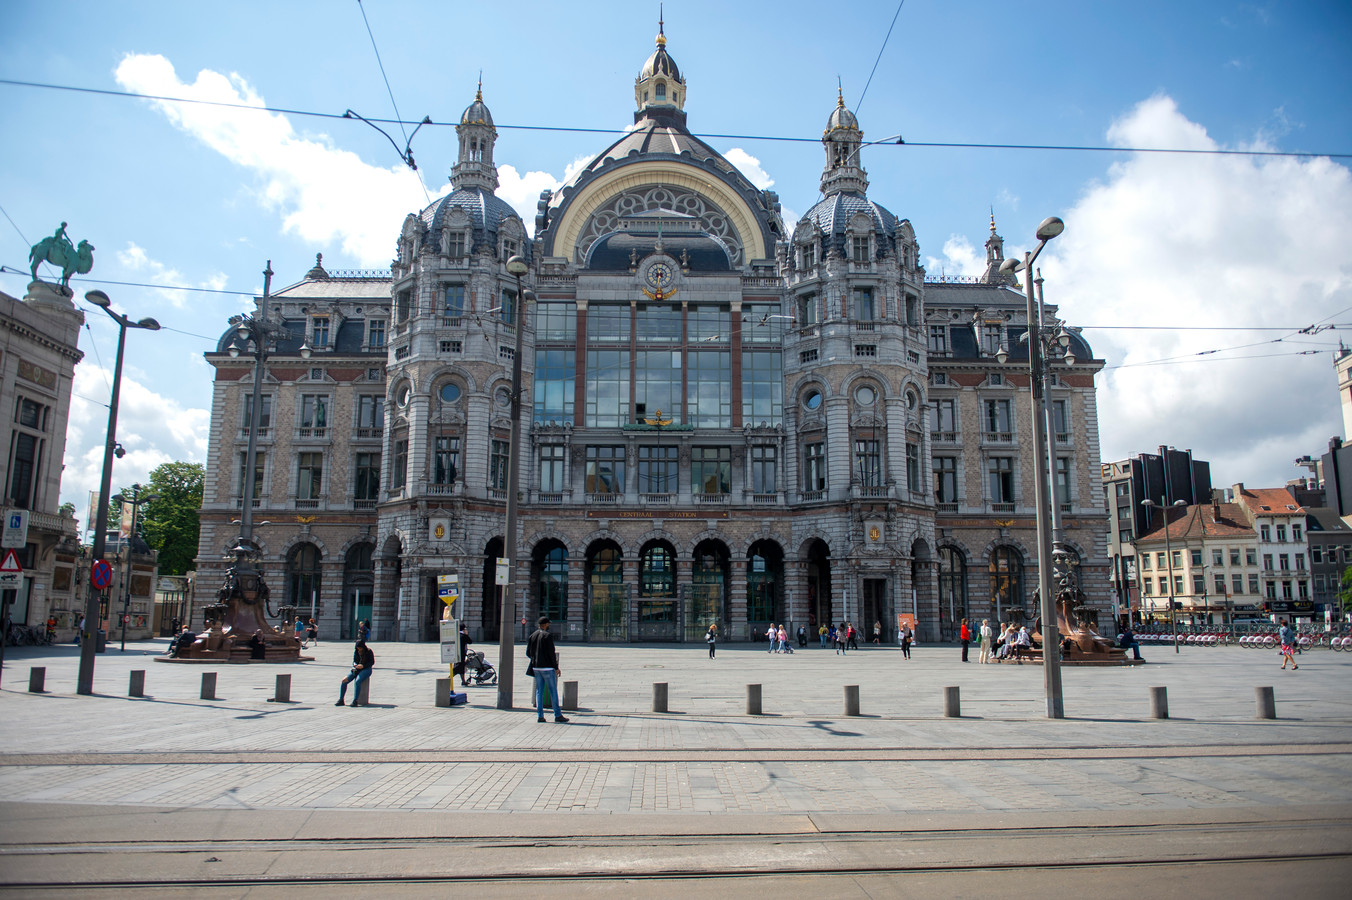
{"x": 170, "y": 522}
{"x": 1345, "y": 590}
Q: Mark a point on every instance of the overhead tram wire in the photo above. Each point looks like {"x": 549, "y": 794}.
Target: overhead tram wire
{"x": 879, "y": 58}
{"x": 572, "y": 129}
{"x": 408, "y": 141}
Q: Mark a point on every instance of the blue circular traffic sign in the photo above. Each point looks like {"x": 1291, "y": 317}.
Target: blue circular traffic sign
{"x": 100, "y": 574}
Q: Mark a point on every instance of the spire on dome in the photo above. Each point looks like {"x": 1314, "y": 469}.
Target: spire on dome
{"x": 995, "y": 255}
{"x": 659, "y": 90}
{"x": 843, "y": 141}
{"x": 475, "y": 169}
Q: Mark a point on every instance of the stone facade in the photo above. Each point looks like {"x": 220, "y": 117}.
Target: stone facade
{"x": 722, "y": 421}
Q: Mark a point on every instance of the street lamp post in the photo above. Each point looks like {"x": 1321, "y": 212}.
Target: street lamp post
{"x": 84, "y": 683}
{"x": 1168, "y": 555}
{"x": 517, "y": 267}
{"x": 1051, "y": 644}
{"x": 136, "y": 502}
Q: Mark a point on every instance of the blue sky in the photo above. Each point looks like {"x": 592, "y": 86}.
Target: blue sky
{"x": 202, "y": 197}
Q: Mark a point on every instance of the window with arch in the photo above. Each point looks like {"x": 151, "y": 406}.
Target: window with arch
{"x": 302, "y": 577}
{"x": 952, "y": 584}
{"x": 552, "y": 583}
{"x": 1006, "y": 578}
{"x": 660, "y": 90}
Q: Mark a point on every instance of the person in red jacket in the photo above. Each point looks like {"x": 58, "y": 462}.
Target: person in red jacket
{"x": 965, "y": 635}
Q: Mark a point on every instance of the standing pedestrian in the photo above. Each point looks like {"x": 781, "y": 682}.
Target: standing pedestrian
{"x": 300, "y": 632}
{"x": 877, "y": 632}
{"x": 907, "y": 636}
{"x": 802, "y": 636}
{"x": 841, "y": 635}
{"x": 1287, "y": 635}
{"x": 711, "y": 638}
{"x": 363, "y": 661}
{"x": 965, "y": 636}
{"x": 822, "y": 632}
{"x": 312, "y": 631}
{"x": 986, "y": 634}
{"x": 464, "y": 653}
{"x": 544, "y": 665}
{"x": 770, "y": 635}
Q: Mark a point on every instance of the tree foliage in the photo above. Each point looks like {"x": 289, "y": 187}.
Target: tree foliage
{"x": 170, "y": 522}
{"x": 1345, "y": 590}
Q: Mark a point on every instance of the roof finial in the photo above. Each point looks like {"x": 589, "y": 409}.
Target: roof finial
{"x": 479, "y": 92}
{"x": 992, "y": 220}
{"x": 661, "y": 35}
{"x": 840, "y": 94}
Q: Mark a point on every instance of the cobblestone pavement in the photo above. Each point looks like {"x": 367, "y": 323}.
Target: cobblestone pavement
{"x": 172, "y": 749}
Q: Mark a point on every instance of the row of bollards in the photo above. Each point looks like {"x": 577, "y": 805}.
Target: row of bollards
{"x": 1265, "y": 703}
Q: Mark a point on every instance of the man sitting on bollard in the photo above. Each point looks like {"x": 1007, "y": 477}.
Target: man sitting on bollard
{"x": 363, "y": 661}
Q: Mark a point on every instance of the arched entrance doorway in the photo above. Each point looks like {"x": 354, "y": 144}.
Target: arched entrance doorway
{"x": 819, "y": 600}
{"x": 549, "y": 576}
{"x": 1006, "y": 584}
{"x": 707, "y": 597}
{"x": 302, "y": 579}
{"x": 607, "y": 594}
{"x": 359, "y": 587}
{"x": 490, "y": 602}
{"x": 952, "y": 590}
{"x": 657, "y": 605}
{"x": 765, "y": 586}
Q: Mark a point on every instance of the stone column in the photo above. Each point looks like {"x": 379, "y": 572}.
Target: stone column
{"x": 736, "y": 600}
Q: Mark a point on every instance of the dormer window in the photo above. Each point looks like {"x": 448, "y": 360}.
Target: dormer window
{"x": 321, "y": 332}
{"x": 808, "y": 254}
{"x": 508, "y": 248}
{"x": 455, "y": 244}
{"x": 860, "y": 253}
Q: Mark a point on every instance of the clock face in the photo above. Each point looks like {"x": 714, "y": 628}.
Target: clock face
{"x": 658, "y": 276}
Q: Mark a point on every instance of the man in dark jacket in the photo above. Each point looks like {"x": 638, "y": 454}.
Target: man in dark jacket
{"x": 544, "y": 665}
{"x": 363, "y": 661}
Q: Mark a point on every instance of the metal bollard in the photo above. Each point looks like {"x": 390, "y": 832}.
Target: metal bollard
{"x": 444, "y": 686}
{"x": 753, "y": 699}
{"x": 570, "y": 695}
{"x": 952, "y": 704}
{"x": 37, "y": 676}
{"x": 208, "y": 685}
{"x": 659, "y": 696}
{"x": 137, "y": 687}
{"x": 851, "y": 699}
{"x": 1159, "y": 703}
{"x": 1266, "y": 703}
{"x": 283, "y": 692}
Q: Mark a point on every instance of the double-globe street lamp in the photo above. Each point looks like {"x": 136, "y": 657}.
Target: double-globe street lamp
{"x": 136, "y": 502}
{"x": 1051, "y": 643}
{"x": 1169, "y": 555}
{"x": 84, "y": 683}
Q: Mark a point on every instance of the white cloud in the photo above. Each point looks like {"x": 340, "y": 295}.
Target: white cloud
{"x": 153, "y": 428}
{"x": 323, "y": 194}
{"x": 1207, "y": 242}
{"x": 960, "y": 260}
{"x": 750, "y": 167}
{"x": 523, "y": 191}
{"x": 136, "y": 260}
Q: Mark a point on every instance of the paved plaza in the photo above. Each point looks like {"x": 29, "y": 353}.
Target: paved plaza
{"x": 171, "y": 765}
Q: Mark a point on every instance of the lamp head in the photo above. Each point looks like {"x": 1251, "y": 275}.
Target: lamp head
{"x": 1010, "y": 266}
{"x": 148, "y": 497}
{"x": 118, "y": 498}
{"x": 306, "y": 350}
{"x": 234, "y": 349}
{"x": 1002, "y": 356}
{"x": 517, "y": 266}
{"x": 243, "y": 332}
{"x": 148, "y": 324}
{"x": 98, "y": 298}
{"x": 1050, "y": 228}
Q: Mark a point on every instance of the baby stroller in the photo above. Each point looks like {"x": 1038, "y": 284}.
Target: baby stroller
{"x": 480, "y": 669}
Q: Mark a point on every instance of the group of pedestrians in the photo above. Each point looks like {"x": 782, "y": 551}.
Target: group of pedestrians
{"x": 307, "y": 631}
{"x": 778, "y": 638}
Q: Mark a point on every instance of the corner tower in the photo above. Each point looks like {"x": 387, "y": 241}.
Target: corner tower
{"x": 842, "y": 140}
{"x": 475, "y": 168}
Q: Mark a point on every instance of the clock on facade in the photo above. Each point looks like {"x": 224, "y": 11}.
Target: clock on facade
{"x": 658, "y": 279}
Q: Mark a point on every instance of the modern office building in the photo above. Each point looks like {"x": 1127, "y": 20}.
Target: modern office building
{"x": 725, "y": 420}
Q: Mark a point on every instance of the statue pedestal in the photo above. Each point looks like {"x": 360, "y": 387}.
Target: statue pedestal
{"x": 51, "y": 298}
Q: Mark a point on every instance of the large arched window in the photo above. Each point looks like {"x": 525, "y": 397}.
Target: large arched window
{"x": 1006, "y": 580}
{"x": 552, "y": 581}
{"x": 302, "y": 578}
{"x": 607, "y": 617}
{"x": 952, "y": 586}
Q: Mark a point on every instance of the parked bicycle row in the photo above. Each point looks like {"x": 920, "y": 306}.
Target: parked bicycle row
{"x": 1251, "y": 641}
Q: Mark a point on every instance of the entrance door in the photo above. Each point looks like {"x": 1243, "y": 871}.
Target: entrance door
{"x": 359, "y": 605}
{"x": 874, "y": 607}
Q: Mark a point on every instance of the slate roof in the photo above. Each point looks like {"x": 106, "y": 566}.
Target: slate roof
{"x": 832, "y": 215}
{"x": 486, "y": 212}
{"x": 962, "y": 337}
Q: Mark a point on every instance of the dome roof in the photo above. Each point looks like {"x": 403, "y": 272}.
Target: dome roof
{"x": 477, "y": 112}
{"x": 486, "y": 212}
{"x": 841, "y": 118}
{"x": 660, "y": 63}
{"x": 833, "y": 214}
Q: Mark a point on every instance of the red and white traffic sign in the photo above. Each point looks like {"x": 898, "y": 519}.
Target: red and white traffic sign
{"x": 100, "y": 574}
{"x": 10, "y": 570}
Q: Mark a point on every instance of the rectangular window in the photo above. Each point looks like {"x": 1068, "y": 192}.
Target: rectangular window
{"x": 992, "y": 339}
{"x": 762, "y": 387}
{"x": 1302, "y": 590}
{"x": 913, "y": 468}
{"x": 1178, "y": 584}
{"x": 1178, "y": 559}
{"x": 912, "y": 309}
{"x": 507, "y": 307}
{"x": 1265, "y": 534}
{"x": 1060, "y": 421}
{"x": 657, "y": 470}
{"x": 814, "y": 466}
{"x": 445, "y": 459}
{"x": 1195, "y": 557}
{"x": 1300, "y": 562}
{"x": 764, "y": 474}
{"x": 999, "y": 422}
{"x": 375, "y": 334}
{"x": 807, "y": 356}
{"x": 30, "y": 414}
{"x": 1234, "y": 556}
{"x": 711, "y": 470}
{"x": 1148, "y": 587}
{"x": 1253, "y": 584}
{"x": 1000, "y": 472}
{"x": 1295, "y": 531}
{"x": 553, "y": 468}
{"x": 1237, "y": 584}
{"x": 868, "y": 463}
{"x": 807, "y": 255}
{"x": 556, "y": 321}
{"x": 710, "y": 322}
{"x": 1160, "y": 560}
{"x": 859, "y": 247}
{"x": 866, "y": 350}
{"x": 605, "y": 470}
{"x": 257, "y": 491}
{"x": 660, "y": 323}
{"x": 1316, "y": 555}
{"x": 399, "y": 475}
{"x": 1284, "y": 562}
{"x": 448, "y": 346}
{"x": 607, "y": 388}
{"x": 709, "y": 378}
{"x": 1220, "y": 584}
{"x": 1217, "y": 557}
{"x": 1250, "y": 557}
{"x": 265, "y": 411}
{"x": 310, "y": 476}
{"x": 1164, "y": 586}
{"x": 863, "y": 305}
{"x": 403, "y": 306}
{"x": 321, "y": 332}
{"x": 608, "y": 324}
{"x": 1063, "y": 479}
{"x": 454, "y": 301}
{"x": 314, "y": 411}
{"x": 944, "y": 420}
{"x": 658, "y": 390}
{"x": 1198, "y": 584}
{"x": 1146, "y": 559}
{"x": 555, "y": 376}
{"x": 455, "y": 244}
{"x": 499, "y": 454}
{"x": 1267, "y": 562}
{"x": 1281, "y": 534}
{"x": 370, "y": 415}
{"x": 809, "y": 310}
{"x": 945, "y": 479}
{"x": 938, "y": 340}
{"x": 368, "y": 477}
